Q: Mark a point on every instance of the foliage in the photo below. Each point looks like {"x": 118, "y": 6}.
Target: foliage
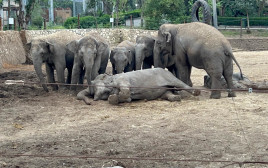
{"x": 36, "y": 17}
{"x": 135, "y": 14}
{"x": 157, "y": 12}
{"x": 87, "y": 22}
{"x": 63, "y": 4}
{"x": 244, "y": 7}
{"x": 236, "y": 21}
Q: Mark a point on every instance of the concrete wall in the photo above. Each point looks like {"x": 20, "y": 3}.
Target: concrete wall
{"x": 113, "y": 36}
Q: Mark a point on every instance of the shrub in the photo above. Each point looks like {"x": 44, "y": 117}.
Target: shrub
{"x": 236, "y": 21}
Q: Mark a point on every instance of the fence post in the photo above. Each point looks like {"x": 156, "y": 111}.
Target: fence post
{"x": 130, "y": 21}
{"x": 241, "y": 24}
{"x": 0, "y": 23}
{"x": 78, "y": 23}
{"x": 45, "y": 24}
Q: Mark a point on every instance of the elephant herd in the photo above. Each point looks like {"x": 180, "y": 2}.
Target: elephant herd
{"x": 177, "y": 47}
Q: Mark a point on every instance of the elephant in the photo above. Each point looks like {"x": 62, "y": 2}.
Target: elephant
{"x": 91, "y": 53}
{"x": 239, "y": 82}
{"x": 146, "y": 84}
{"x": 195, "y": 45}
{"x": 55, "y": 56}
{"x": 144, "y": 49}
{"x": 123, "y": 57}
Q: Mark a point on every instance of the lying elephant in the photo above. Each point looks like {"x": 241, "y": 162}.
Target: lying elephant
{"x": 238, "y": 81}
{"x": 135, "y": 85}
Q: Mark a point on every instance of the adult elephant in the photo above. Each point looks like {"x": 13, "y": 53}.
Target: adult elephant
{"x": 144, "y": 49}
{"x": 199, "y": 45}
{"x": 123, "y": 57}
{"x": 91, "y": 54}
{"x": 55, "y": 56}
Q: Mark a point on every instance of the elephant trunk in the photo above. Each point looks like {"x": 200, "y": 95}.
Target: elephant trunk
{"x": 38, "y": 69}
{"x": 139, "y": 57}
{"x": 120, "y": 68}
{"x": 157, "y": 58}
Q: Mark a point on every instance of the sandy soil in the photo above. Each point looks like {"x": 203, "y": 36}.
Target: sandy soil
{"x": 56, "y": 130}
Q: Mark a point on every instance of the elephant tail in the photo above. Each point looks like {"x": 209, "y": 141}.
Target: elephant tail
{"x": 230, "y": 53}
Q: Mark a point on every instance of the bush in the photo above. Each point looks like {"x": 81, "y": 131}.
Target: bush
{"x": 236, "y": 21}
{"x": 135, "y": 14}
{"x": 87, "y": 22}
{"x": 71, "y": 23}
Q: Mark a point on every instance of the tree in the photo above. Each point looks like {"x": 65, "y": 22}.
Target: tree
{"x": 158, "y": 12}
{"x": 246, "y": 7}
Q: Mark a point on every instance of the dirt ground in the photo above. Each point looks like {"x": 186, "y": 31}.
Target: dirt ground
{"x": 55, "y": 130}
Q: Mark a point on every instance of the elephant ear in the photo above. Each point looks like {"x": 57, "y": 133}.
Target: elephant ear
{"x": 29, "y": 45}
{"x": 73, "y": 46}
{"x": 167, "y": 36}
{"x": 50, "y": 46}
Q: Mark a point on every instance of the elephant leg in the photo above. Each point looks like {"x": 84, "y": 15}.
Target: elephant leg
{"x": 146, "y": 65}
{"x": 168, "y": 95}
{"x": 183, "y": 73}
{"x": 113, "y": 99}
{"x": 82, "y": 76}
{"x": 104, "y": 61}
{"x": 60, "y": 75}
{"x": 50, "y": 76}
{"x": 69, "y": 76}
{"x": 96, "y": 67}
{"x": 76, "y": 72}
{"x": 124, "y": 91}
{"x": 215, "y": 84}
{"x": 83, "y": 95}
{"x": 114, "y": 71}
{"x": 227, "y": 74}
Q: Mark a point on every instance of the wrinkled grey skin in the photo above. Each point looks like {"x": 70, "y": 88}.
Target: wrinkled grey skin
{"x": 91, "y": 54}
{"x": 144, "y": 49}
{"x": 198, "y": 45}
{"x": 239, "y": 82}
{"x": 123, "y": 57}
{"x": 135, "y": 85}
{"x": 55, "y": 56}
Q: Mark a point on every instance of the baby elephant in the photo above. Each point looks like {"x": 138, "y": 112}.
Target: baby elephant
{"x": 238, "y": 81}
{"x": 147, "y": 84}
{"x": 123, "y": 57}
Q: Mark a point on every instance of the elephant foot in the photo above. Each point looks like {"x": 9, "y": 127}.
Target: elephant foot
{"x": 174, "y": 98}
{"x": 45, "y": 87}
{"x": 215, "y": 95}
{"x": 113, "y": 99}
{"x": 55, "y": 87}
{"x": 231, "y": 94}
{"x": 196, "y": 92}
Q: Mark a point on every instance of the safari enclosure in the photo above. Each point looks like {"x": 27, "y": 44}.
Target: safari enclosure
{"x": 54, "y": 129}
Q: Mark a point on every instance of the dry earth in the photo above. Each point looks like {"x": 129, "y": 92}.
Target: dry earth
{"x": 56, "y": 130}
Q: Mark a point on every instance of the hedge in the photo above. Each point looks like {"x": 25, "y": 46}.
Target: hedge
{"x": 236, "y": 21}
{"x": 87, "y": 22}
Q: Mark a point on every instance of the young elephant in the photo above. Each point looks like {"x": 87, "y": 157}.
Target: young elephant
{"x": 55, "y": 56}
{"x": 239, "y": 81}
{"x": 92, "y": 54}
{"x": 144, "y": 49}
{"x": 135, "y": 85}
{"x": 123, "y": 57}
